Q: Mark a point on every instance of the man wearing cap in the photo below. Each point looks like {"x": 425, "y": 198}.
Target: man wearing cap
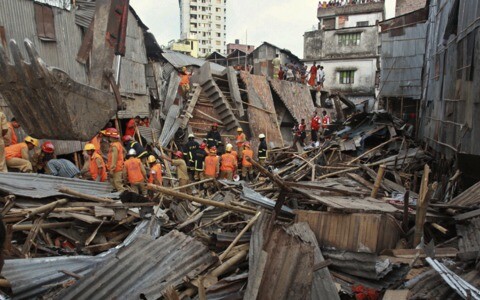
{"x": 134, "y": 172}
{"x": 247, "y": 167}
{"x": 3, "y": 140}
{"x": 17, "y": 155}
{"x": 228, "y": 165}
{"x": 213, "y": 136}
{"x": 155, "y": 174}
{"x": 262, "y": 149}
{"x": 188, "y": 152}
{"x": 240, "y": 140}
{"x": 96, "y": 165}
{"x": 115, "y": 159}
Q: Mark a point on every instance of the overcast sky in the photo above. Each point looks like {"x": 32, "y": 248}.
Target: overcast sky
{"x": 280, "y": 22}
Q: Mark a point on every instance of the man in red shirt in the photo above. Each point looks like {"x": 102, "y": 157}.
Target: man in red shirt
{"x": 131, "y": 126}
{"x": 315, "y": 126}
{"x": 325, "y": 122}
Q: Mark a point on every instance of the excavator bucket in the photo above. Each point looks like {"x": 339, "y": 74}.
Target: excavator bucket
{"x": 47, "y": 102}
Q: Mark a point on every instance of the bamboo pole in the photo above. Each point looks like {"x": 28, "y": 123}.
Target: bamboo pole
{"x": 43, "y": 226}
{"x": 378, "y": 181}
{"x": 371, "y": 150}
{"x": 237, "y": 238}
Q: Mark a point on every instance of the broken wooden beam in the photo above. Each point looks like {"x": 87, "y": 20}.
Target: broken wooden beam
{"x": 378, "y": 181}
{"x": 237, "y": 238}
{"x": 267, "y": 173}
{"x": 83, "y": 196}
{"x": 21, "y": 227}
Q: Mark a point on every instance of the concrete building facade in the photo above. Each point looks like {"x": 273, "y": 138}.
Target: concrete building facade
{"x": 231, "y": 47}
{"x": 346, "y": 45}
{"x": 188, "y": 46}
{"x": 205, "y": 19}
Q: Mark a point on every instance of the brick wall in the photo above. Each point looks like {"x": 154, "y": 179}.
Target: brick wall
{"x": 407, "y": 6}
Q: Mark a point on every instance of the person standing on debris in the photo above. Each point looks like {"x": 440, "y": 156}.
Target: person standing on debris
{"x": 313, "y": 74}
{"x": 247, "y": 167}
{"x": 115, "y": 159}
{"x": 325, "y": 122}
{"x": 17, "y": 156}
{"x": 228, "y": 165}
{"x": 199, "y": 162}
{"x": 12, "y": 136}
{"x": 155, "y": 175}
{"x": 188, "y": 152}
{"x": 130, "y": 143}
{"x": 212, "y": 163}
{"x": 185, "y": 82}
{"x": 299, "y": 133}
{"x": 315, "y": 127}
{"x": 290, "y": 75}
{"x": 213, "y": 136}
{"x": 240, "y": 140}
{"x": 182, "y": 171}
{"x": 262, "y": 149}
{"x": 96, "y": 165}
{"x": 277, "y": 63}
{"x": 320, "y": 79}
{"x": 3, "y": 140}
{"x": 132, "y": 126}
{"x": 134, "y": 172}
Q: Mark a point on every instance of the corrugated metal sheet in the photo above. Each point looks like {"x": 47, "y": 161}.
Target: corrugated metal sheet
{"x": 296, "y": 97}
{"x": 42, "y": 186}
{"x": 469, "y": 234}
{"x": 470, "y": 197}
{"x": 179, "y": 60}
{"x": 371, "y": 233}
{"x": 63, "y": 4}
{"x": 260, "y": 121}
{"x": 144, "y": 268}
{"x": 253, "y": 197}
{"x": 84, "y": 13}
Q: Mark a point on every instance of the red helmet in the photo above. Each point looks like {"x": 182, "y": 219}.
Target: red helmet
{"x": 126, "y": 138}
{"x": 178, "y": 154}
{"x": 48, "y": 147}
{"x": 112, "y": 132}
{"x": 203, "y": 146}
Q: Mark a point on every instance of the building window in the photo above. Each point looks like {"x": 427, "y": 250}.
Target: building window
{"x": 349, "y": 39}
{"x": 218, "y": 43}
{"x": 329, "y": 23}
{"x": 347, "y": 77}
{"x": 45, "y": 23}
{"x": 363, "y": 23}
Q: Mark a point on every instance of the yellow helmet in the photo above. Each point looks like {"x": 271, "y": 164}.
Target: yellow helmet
{"x": 151, "y": 159}
{"x": 31, "y": 140}
{"x": 89, "y": 147}
{"x": 239, "y": 129}
{"x": 229, "y": 147}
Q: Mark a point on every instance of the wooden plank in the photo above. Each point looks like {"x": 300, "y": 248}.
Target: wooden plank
{"x": 396, "y": 295}
{"x": 412, "y": 253}
{"x": 85, "y": 218}
{"x": 467, "y": 215}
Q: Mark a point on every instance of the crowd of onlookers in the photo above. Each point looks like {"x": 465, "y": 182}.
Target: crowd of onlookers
{"x": 334, "y": 3}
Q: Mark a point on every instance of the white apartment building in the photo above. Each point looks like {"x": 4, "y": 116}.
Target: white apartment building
{"x": 205, "y": 19}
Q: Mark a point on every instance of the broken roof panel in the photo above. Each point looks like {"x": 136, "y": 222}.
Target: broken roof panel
{"x": 470, "y": 197}
{"x": 43, "y": 186}
{"x": 179, "y": 60}
{"x": 145, "y": 268}
{"x": 296, "y": 97}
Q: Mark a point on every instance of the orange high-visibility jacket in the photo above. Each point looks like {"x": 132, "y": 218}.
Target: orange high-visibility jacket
{"x": 133, "y": 166}
{"x": 211, "y": 165}
{"x": 96, "y": 142}
{"x": 94, "y": 167}
{"x": 15, "y": 150}
{"x": 13, "y": 135}
{"x": 155, "y": 173}
{"x": 120, "y": 159}
{"x": 241, "y": 138}
{"x": 229, "y": 162}
{"x": 247, "y": 153}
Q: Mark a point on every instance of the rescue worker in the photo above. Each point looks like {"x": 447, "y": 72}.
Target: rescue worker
{"x": 325, "y": 122}
{"x": 130, "y": 143}
{"x": 134, "y": 172}
{"x": 212, "y": 165}
{"x": 228, "y": 165}
{"x": 188, "y": 151}
{"x": 17, "y": 156}
{"x": 182, "y": 171}
{"x": 315, "y": 127}
{"x": 262, "y": 149}
{"x": 12, "y": 136}
{"x": 240, "y": 140}
{"x": 97, "y": 141}
{"x": 3, "y": 140}
{"x": 247, "y": 167}
{"x": 96, "y": 165}
{"x": 213, "y": 136}
{"x": 155, "y": 174}
{"x": 132, "y": 126}
{"x": 40, "y": 160}
{"x": 115, "y": 159}
{"x": 185, "y": 82}
{"x": 199, "y": 162}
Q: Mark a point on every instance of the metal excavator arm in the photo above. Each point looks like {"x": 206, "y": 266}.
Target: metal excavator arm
{"x": 48, "y": 102}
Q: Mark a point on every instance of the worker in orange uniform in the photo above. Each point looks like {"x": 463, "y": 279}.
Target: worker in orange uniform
{"x": 182, "y": 171}
{"x": 185, "y": 82}
{"x": 134, "y": 172}
{"x": 240, "y": 140}
{"x": 12, "y": 136}
{"x": 155, "y": 175}
{"x": 17, "y": 156}
{"x": 96, "y": 165}
{"x": 212, "y": 165}
{"x": 247, "y": 168}
{"x": 115, "y": 159}
{"x": 132, "y": 126}
{"x": 3, "y": 141}
{"x": 228, "y": 165}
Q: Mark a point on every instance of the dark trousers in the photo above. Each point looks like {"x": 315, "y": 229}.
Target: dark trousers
{"x": 314, "y": 134}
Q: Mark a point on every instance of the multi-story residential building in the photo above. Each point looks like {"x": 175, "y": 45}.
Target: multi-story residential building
{"x": 206, "y": 19}
{"x": 346, "y": 45}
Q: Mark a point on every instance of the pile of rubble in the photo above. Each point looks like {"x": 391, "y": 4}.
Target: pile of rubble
{"x": 321, "y": 222}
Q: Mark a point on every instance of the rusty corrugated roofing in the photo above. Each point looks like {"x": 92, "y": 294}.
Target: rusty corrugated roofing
{"x": 296, "y": 97}
{"x": 145, "y": 268}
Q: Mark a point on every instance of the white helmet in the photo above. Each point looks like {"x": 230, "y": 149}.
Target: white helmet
{"x": 261, "y": 136}
{"x": 191, "y": 135}
{"x": 132, "y": 152}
